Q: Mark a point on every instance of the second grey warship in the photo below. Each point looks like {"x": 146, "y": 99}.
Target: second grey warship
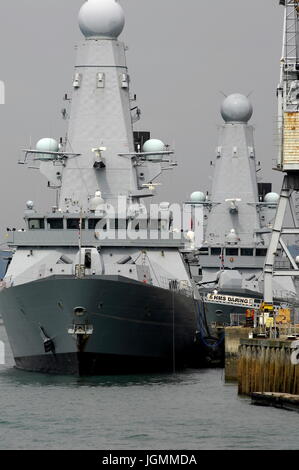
{"x": 97, "y": 286}
{"x": 238, "y": 218}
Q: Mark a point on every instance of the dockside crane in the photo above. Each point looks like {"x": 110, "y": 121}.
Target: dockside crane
{"x": 288, "y": 150}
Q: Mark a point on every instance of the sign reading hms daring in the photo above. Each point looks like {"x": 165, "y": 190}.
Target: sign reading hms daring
{"x": 230, "y": 299}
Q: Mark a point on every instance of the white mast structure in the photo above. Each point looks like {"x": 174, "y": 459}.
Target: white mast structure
{"x": 288, "y": 155}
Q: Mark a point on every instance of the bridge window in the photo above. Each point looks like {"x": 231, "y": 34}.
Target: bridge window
{"x": 261, "y": 252}
{"x": 36, "y": 224}
{"x": 232, "y": 251}
{"x": 55, "y": 224}
{"x": 74, "y": 224}
{"x": 215, "y": 251}
{"x": 99, "y": 224}
{"x": 246, "y": 251}
{"x": 92, "y": 223}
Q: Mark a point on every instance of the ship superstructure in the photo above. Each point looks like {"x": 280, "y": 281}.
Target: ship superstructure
{"x": 98, "y": 284}
{"x": 239, "y": 215}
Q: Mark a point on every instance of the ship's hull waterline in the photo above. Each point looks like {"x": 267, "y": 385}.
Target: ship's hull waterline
{"x": 133, "y": 327}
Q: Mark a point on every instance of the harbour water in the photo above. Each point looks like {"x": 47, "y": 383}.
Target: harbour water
{"x": 191, "y": 410}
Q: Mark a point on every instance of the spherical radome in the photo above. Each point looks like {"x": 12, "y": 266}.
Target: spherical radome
{"x": 236, "y": 108}
{"x": 101, "y": 18}
{"x": 197, "y": 196}
{"x": 29, "y": 205}
{"x": 272, "y": 198}
{"x": 47, "y": 145}
{"x": 153, "y": 145}
{"x": 95, "y": 202}
{"x": 232, "y": 237}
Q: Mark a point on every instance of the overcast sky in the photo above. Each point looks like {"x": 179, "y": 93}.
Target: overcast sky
{"x": 181, "y": 55}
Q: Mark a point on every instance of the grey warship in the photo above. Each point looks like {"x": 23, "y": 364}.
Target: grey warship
{"x": 96, "y": 286}
{"x": 238, "y": 219}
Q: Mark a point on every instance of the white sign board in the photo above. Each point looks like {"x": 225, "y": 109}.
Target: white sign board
{"x": 230, "y": 299}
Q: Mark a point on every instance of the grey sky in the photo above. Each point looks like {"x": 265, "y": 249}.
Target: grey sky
{"x": 181, "y": 54}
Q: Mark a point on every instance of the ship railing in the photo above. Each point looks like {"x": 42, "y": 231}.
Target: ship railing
{"x": 10, "y": 281}
{"x": 163, "y": 282}
{"x": 181, "y": 286}
{"x": 237, "y": 319}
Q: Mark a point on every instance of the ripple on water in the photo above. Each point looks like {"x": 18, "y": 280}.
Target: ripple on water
{"x": 189, "y": 410}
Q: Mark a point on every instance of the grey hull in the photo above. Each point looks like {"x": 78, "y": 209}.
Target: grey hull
{"x": 136, "y": 327}
{"x": 221, "y": 314}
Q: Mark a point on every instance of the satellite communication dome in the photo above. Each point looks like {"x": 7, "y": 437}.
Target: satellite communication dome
{"x": 47, "y": 145}
{"x": 236, "y": 108}
{"x": 197, "y": 196}
{"x": 272, "y": 198}
{"x": 153, "y": 145}
{"x": 102, "y": 19}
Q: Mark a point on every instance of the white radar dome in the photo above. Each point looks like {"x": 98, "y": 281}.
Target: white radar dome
{"x": 102, "y": 19}
{"x": 29, "y": 205}
{"x": 272, "y": 198}
{"x": 153, "y": 145}
{"x": 232, "y": 237}
{"x": 236, "y": 108}
{"x": 47, "y": 145}
{"x": 197, "y": 196}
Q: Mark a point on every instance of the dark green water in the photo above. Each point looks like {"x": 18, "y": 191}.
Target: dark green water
{"x": 190, "y": 410}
